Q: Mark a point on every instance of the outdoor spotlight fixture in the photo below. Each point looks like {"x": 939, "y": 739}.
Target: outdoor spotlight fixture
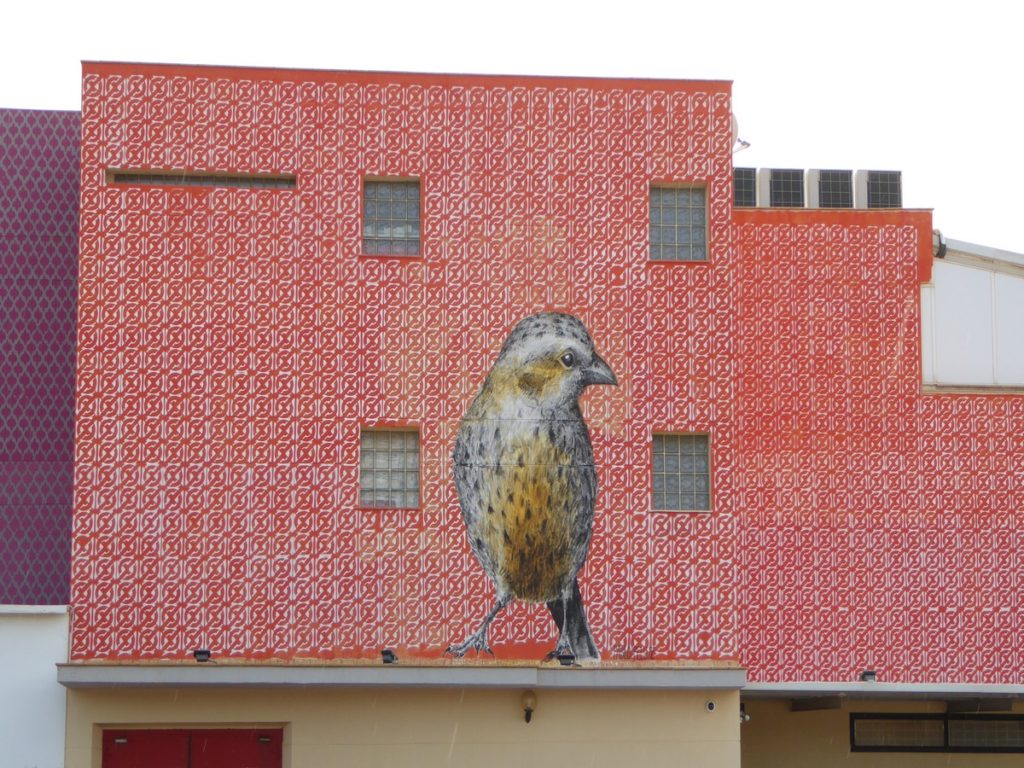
{"x": 529, "y": 701}
{"x": 566, "y": 659}
{"x": 388, "y": 656}
{"x": 869, "y": 676}
{"x": 744, "y": 717}
{"x": 202, "y": 655}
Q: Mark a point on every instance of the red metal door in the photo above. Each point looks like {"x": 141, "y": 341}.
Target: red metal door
{"x": 236, "y": 749}
{"x": 145, "y": 749}
{"x": 199, "y": 748}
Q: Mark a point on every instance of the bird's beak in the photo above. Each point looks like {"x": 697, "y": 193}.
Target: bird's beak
{"x": 599, "y": 372}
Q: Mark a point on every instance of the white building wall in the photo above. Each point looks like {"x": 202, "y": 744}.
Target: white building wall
{"x": 1008, "y": 298}
{"x": 973, "y": 325}
{"x": 33, "y": 639}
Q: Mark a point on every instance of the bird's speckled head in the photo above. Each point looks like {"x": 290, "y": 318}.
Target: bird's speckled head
{"x": 550, "y": 357}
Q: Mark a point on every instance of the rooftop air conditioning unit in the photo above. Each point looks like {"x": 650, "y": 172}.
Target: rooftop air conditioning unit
{"x": 780, "y": 187}
{"x": 878, "y": 189}
{"x": 829, "y": 189}
{"x": 744, "y": 187}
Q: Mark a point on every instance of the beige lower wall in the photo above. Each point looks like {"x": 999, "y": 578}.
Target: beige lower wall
{"x": 777, "y": 738}
{"x": 423, "y": 727}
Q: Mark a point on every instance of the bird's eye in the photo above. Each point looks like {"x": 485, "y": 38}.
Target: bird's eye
{"x": 568, "y": 359}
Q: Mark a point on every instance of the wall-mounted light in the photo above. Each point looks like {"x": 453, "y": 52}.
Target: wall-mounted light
{"x": 388, "y": 656}
{"x": 566, "y": 659}
{"x": 869, "y": 676}
{"x": 529, "y": 701}
{"x": 202, "y": 655}
{"x": 744, "y": 717}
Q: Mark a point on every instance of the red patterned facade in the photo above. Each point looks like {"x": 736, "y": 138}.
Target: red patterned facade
{"x": 233, "y": 343}
{"x": 881, "y": 527}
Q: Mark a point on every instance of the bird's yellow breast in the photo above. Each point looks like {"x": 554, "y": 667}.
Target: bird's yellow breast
{"x": 531, "y": 499}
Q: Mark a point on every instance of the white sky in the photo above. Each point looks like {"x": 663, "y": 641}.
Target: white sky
{"x": 891, "y": 85}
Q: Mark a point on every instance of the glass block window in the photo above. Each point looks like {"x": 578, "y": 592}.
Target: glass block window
{"x": 835, "y": 189}
{"x": 745, "y": 187}
{"x": 885, "y": 189}
{"x": 787, "y": 188}
{"x": 679, "y": 224}
{"x": 389, "y": 468}
{"x": 682, "y": 472}
{"x": 391, "y": 218}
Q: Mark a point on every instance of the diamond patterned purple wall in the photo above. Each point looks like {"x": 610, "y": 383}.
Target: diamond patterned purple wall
{"x": 38, "y": 275}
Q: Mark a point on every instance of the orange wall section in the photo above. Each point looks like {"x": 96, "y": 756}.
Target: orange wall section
{"x": 920, "y": 220}
{"x": 880, "y": 527}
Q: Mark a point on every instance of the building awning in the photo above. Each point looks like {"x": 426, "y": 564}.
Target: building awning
{"x": 865, "y": 690}
{"x": 85, "y": 675}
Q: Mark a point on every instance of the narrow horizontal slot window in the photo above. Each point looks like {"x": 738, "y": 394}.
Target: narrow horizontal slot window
{"x": 200, "y": 179}
{"x": 909, "y": 733}
{"x": 986, "y": 734}
{"x": 950, "y": 732}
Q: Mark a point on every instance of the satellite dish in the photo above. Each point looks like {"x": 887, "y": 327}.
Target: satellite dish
{"x": 738, "y": 144}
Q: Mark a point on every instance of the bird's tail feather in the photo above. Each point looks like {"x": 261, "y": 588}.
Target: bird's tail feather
{"x": 577, "y": 631}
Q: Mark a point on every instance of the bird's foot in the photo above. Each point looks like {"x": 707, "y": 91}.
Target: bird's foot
{"x": 561, "y": 650}
{"x": 478, "y": 640}
{"x": 475, "y": 642}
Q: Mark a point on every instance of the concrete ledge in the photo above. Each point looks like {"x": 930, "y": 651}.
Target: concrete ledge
{"x": 223, "y": 675}
{"x": 33, "y": 610}
{"x": 858, "y": 690}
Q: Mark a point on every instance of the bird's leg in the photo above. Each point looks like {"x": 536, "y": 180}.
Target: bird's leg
{"x": 478, "y": 640}
{"x": 563, "y": 646}
{"x": 573, "y": 630}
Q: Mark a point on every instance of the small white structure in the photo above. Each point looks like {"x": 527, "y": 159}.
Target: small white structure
{"x": 33, "y": 640}
{"x": 972, "y": 318}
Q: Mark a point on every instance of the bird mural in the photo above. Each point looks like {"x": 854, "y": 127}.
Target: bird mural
{"x": 524, "y": 471}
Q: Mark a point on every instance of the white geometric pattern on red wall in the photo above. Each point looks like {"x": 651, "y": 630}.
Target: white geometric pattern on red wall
{"x": 233, "y": 342}
{"x": 880, "y": 528}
